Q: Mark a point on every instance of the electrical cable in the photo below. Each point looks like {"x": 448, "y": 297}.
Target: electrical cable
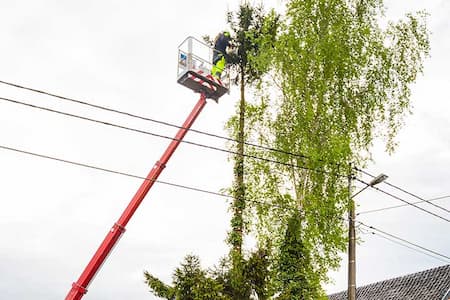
{"x": 205, "y": 133}
{"x": 409, "y": 247}
{"x": 162, "y": 136}
{"x": 110, "y": 171}
{"x": 129, "y": 175}
{"x": 405, "y": 191}
{"x": 151, "y": 120}
{"x": 404, "y": 241}
{"x": 398, "y": 206}
{"x": 185, "y": 187}
{"x": 196, "y": 131}
{"x": 398, "y": 198}
{"x": 202, "y": 145}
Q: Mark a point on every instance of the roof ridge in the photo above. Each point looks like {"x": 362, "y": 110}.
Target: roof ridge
{"x": 403, "y": 283}
{"x": 411, "y": 274}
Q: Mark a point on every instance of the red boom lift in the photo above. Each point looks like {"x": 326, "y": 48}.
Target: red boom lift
{"x": 194, "y": 65}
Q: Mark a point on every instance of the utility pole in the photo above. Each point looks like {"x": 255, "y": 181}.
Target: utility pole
{"x": 351, "y": 291}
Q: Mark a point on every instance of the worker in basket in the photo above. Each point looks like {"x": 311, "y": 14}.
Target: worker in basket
{"x": 221, "y": 43}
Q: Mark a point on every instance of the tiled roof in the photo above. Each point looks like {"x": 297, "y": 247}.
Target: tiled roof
{"x": 432, "y": 284}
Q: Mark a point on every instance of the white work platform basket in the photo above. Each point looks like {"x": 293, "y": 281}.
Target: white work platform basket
{"x": 194, "y": 69}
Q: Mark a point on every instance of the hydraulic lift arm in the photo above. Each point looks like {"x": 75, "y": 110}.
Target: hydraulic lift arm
{"x": 79, "y": 288}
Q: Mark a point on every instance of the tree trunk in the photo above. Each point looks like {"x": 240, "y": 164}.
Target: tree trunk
{"x": 237, "y": 222}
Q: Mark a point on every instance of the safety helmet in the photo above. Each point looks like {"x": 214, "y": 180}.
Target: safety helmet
{"x": 226, "y": 33}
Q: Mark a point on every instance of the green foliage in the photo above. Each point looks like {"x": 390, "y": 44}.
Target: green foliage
{"x": 158, "y": 288}
{"x": 338, "y": 65}
{"x": 244, "y": 277}
{"x": 254, "y": 31}
{"x": 257, "y": 273}
{"x": 236, "y": 277}
{"x": 296, "y": 277}
{"x": 224, "y": 282}
{"x": 341, "y": 81}
{"x": 329, "y": 81}
{"x": 190, "y": 282}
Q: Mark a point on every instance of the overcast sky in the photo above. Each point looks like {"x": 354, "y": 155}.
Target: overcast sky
{"x": 122, "y": 54}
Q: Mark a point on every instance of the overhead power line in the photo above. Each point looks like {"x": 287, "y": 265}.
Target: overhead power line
{"x": 196, "y": 131}
{"x": 405, "y": 241}
{"x": 407, "y": 246}
{"x": 110, "y": 170}
{"x": 186, "y": 187}
{"x": 107, "y": 170}
{"x": 195, "y": 189}
{"x": 403, "y": 200}
{"x": 398, "y": 206}
{"x": 101, "y": 107}
{"x": 406, "y": 192}
{"x": 162, "y": 136}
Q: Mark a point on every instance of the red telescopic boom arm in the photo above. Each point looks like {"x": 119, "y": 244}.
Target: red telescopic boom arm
{"x": 79, "y": 288}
